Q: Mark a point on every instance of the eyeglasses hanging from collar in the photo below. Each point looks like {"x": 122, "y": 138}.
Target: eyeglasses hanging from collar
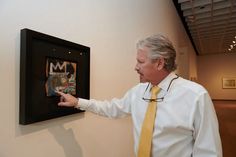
{"x": 161, "y": 98}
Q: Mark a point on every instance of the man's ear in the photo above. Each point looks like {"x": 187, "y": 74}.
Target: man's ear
{"x": 160, "y": 63}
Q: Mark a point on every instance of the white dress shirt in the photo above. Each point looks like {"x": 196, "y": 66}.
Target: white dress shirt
{"x": 185, "y": 126}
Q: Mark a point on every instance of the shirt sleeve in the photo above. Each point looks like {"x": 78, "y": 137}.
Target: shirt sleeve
{"x": 206, "y": 130}
{"x": 115, "y": 108}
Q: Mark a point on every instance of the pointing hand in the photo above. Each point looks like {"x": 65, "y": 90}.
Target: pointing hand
{"x": 67, "y": 100}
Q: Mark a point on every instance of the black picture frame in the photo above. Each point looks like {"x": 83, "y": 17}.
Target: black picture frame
{"x": 35, "y": 50}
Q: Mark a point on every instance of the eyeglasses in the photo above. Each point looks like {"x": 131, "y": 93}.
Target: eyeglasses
{"x": 157, "y": 99}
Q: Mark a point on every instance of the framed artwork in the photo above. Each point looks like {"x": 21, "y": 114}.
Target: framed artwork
{"x": 229, "y": 82}
{"x": 49, "y": 64}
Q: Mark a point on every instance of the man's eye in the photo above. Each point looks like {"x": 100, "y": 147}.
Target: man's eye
{"x": 139, "y": 61}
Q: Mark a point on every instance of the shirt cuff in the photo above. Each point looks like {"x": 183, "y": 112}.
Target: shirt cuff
{"x": 82, "y": 104}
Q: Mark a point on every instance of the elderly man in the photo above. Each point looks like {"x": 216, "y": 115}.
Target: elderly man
{"x": 172, "y": 117}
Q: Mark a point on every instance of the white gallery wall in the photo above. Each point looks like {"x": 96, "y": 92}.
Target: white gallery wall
{"x": 110, "y": 28}
{"x": 217, "y": 67}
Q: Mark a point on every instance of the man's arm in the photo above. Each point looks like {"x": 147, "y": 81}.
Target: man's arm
{"x": 206, "y": 130}
{"x": 115, "y": 108}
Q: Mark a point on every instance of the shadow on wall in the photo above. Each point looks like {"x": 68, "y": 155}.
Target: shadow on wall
{"x": 66, "y": 139}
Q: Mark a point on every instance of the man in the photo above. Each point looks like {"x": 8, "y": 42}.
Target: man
{"x": 185, "y": 123}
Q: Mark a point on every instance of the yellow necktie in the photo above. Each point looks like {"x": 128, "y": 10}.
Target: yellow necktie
{"x": 145, "y": 142}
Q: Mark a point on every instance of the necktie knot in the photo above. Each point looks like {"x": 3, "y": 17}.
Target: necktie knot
{"x": 154, "y": 91}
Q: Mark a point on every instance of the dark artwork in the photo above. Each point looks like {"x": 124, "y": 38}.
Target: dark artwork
{"x": 49, "y": 64}
{"x": 61, "y": 76}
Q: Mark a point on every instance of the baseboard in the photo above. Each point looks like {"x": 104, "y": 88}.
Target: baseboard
{"x": 223, "y": 99}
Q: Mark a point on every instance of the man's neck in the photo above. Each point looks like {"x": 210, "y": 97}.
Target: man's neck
{"x": 160, "y": 76}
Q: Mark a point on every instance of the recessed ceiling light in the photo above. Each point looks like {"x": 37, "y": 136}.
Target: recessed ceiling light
{"x": 232, "y": 46}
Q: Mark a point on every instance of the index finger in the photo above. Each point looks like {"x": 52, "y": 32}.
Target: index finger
{"x": 60, "y": 93}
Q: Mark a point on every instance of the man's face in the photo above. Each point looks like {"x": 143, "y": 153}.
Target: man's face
{"x": 145, "y": 67}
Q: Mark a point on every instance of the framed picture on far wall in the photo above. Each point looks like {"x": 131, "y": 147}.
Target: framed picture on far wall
{"x": 229, "y": 82}
{"x": 49, "y": 64}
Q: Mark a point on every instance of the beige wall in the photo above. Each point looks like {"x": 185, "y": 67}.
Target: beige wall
{"x": 212, "y": 69}
{"x": 110, "y": 28}
{"x": 186, "y": 58}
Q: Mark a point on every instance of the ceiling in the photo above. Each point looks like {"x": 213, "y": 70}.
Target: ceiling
{"x": 210, "y": 24}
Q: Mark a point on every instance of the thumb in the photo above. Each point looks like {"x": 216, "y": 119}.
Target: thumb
{"x": 64, "y": 104}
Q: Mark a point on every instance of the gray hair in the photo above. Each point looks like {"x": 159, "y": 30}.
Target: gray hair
{"x": 159, "y": 46}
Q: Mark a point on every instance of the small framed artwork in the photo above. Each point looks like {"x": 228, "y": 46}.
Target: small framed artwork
{"x": 229, "y": 82}
{"x": 49, "y": 64}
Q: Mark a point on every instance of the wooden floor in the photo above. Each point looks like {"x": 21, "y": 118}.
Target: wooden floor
{"x": 226, "y": 113}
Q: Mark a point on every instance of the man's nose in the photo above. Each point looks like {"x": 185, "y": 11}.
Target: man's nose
{"x": 136, "y": 67}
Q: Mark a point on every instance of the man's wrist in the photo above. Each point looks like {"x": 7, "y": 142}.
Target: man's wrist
{"x": 76, "y": 104}
{"x": 82, "y": 104}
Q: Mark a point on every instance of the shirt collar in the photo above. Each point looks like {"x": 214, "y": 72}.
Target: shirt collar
{"x": 166, "y": 81}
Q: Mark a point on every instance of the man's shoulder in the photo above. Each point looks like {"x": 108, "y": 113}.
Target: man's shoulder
{"x": 191, "y": 86}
